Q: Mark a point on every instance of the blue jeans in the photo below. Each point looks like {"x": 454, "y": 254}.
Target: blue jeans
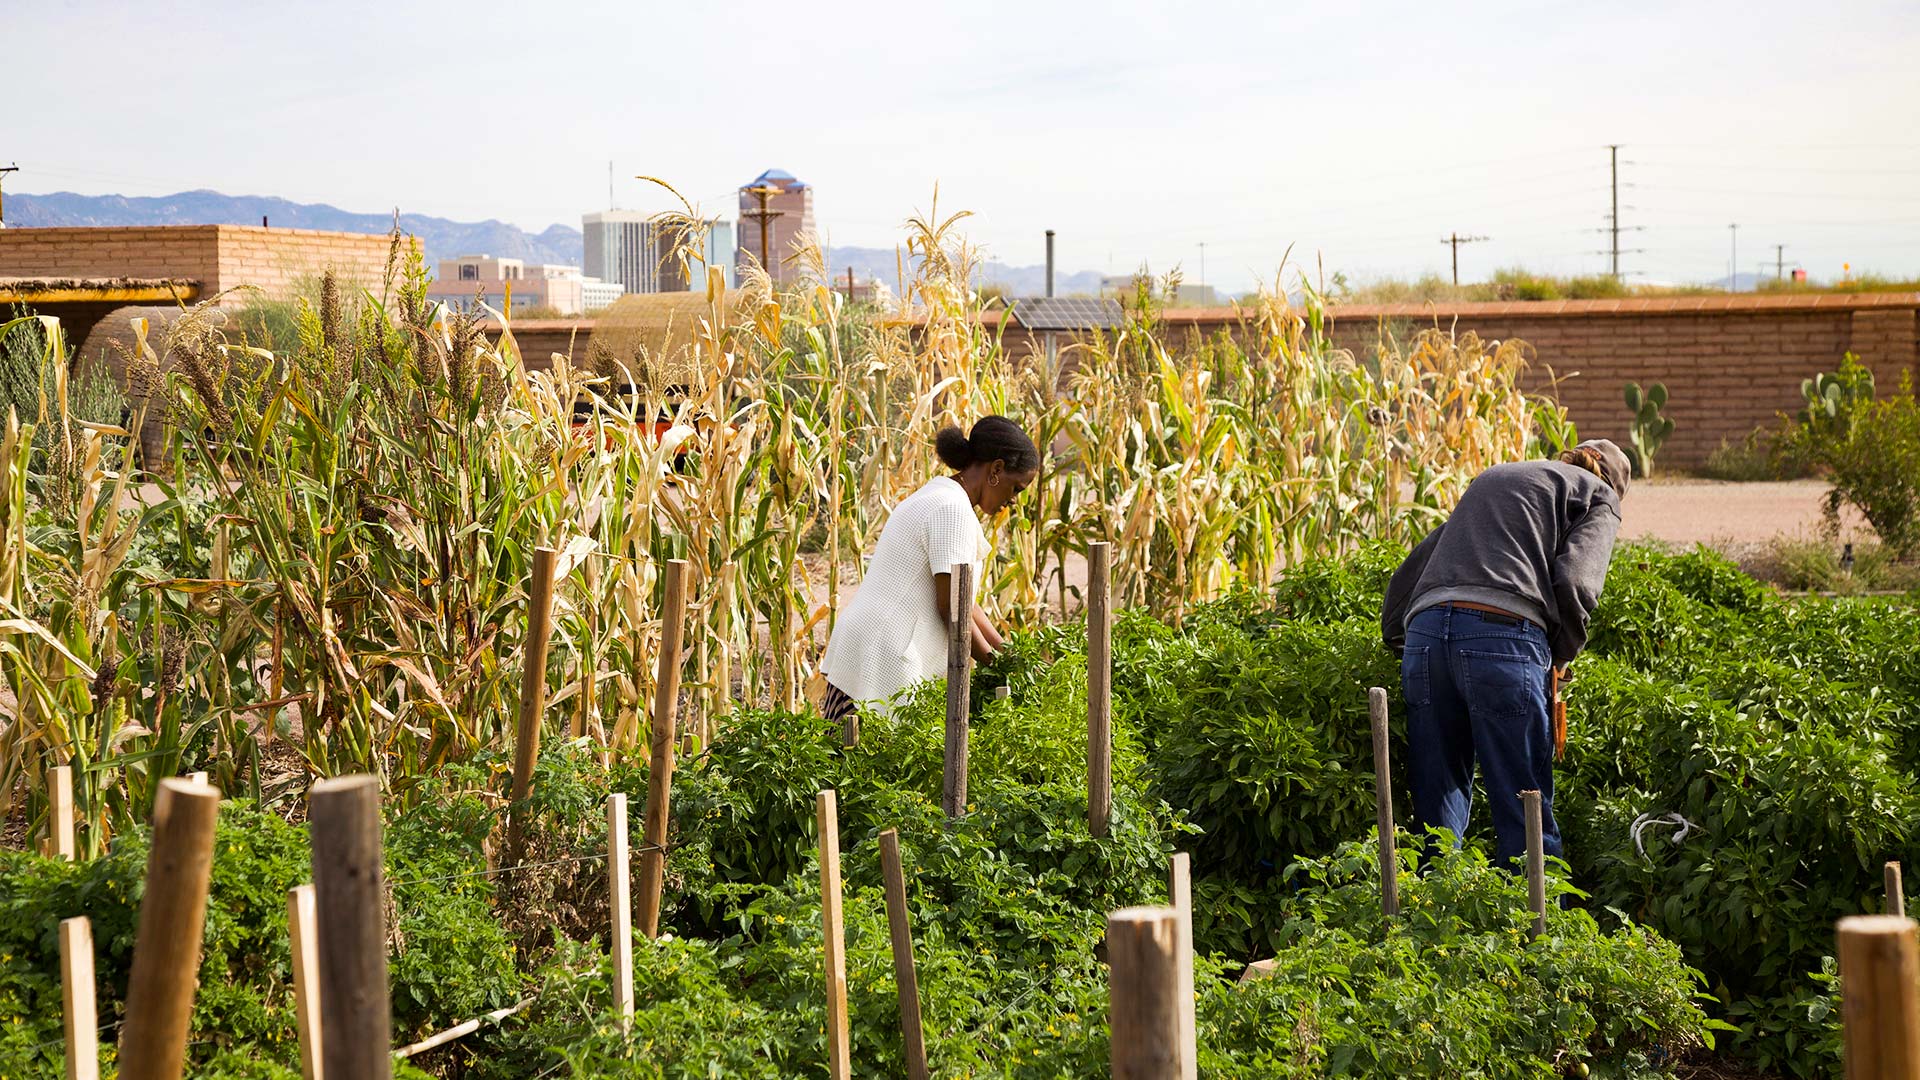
{"x": 1476, "y": 689}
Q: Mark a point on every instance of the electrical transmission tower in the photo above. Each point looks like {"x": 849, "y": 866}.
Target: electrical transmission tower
{"x": 4, "y": 170}
{"x": 1454, "y": 240}
{"x": 1613, "y": 228}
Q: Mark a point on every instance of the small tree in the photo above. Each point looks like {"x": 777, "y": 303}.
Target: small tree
{"x": 1871, "y": 449}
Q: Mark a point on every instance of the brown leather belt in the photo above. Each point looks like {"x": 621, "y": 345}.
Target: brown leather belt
{"x": 1488, "y": 608}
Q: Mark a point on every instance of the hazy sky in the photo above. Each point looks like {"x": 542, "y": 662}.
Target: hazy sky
{"x": 1359, "y": 134}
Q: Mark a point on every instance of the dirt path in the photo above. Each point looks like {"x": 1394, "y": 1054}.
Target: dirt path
{"x": 1727, "y": 515}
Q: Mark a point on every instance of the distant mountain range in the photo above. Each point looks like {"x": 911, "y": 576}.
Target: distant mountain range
{"x": 441, "y": 238}
{"x": 881, "y": 264}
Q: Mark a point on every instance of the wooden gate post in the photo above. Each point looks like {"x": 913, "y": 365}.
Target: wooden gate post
{"x": 1383, "y": 802}
{"x": 1880, "y": 996}
{"x": 1099, "y": 690}
{"x": 953, "y": 788}
{"x": 533, "y": 696}
{"x": 76, "y": 990}
{"x": 166, "y": 950}
{"x": 1144, "y": 1008}
{"x": 666, "y": 701}
{"x": 356, "y": 1026}
{"x": 904, "y": 976}
{"x": 1536, "y": 862}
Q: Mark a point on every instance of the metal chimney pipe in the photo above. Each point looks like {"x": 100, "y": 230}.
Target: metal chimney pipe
{"x": 1049, "y": 262}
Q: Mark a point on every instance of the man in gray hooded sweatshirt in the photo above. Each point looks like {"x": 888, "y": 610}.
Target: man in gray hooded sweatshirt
{"x": 1482, "y": 612}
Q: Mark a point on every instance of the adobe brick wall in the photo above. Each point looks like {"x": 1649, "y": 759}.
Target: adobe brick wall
{"x": 1731, "y": 363}
{"x": 219, "y": 257}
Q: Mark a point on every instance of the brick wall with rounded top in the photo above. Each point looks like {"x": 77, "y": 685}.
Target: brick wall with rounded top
{"x": 1732, "y": 364}
{"x": 279, "y": 262}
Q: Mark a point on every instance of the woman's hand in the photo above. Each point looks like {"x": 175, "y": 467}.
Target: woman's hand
{"x": 986, "y": 640}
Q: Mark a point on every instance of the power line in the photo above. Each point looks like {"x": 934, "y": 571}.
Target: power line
{"x": 1454, "y": 241}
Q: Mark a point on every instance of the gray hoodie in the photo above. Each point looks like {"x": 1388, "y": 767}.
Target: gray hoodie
{"x": 1530, "y": 537}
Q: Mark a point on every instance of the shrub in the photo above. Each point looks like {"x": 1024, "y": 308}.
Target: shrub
{"x": 1452, "y": 986}
{"x": 1748, "y": 460}
{"x": 1870, "y": 447}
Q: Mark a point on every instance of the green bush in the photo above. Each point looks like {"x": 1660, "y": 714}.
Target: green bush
{"x": 1870, "y": 447}
{"x": 1452, "y": 986}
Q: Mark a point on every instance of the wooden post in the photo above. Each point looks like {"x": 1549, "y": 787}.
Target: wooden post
{"x": 306, "y": 977}
{"x": 166, "y": 949}
{"x": 1143, "y": 1011}
{"x": 953, "y": 792}
{"x": 1383, "y": 803}
{"x": 1180, "y": 896}
{"x": 1880, "y": 997}
{"x": 666, "y": 700}
{"x": 619, "y": 898}
{"x": 1099, "y": 692}
{"x": 60, "y": 813}
{"x": 1536, "y": 862}
{"x": 76, "y": 990}
{"x": 904, "y": 976}
{"x": 1896, "y": 892}
{"x": 356, "y": 1032}
{"x": 838, "y": 1029}
{"x": 533, "y": 695}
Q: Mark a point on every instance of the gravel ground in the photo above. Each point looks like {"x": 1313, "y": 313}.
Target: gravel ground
{"x": 1727, "y": 515}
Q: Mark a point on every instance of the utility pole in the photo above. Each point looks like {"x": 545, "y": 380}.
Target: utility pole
{"x": 1779, "y": 262}
{"x": 4, "y": 170}
{"x": 1733, "y": 258}
{"x": 764, "y": 216}
{"x": 1613, "y": 220}
{"x": 1454, "y": 241}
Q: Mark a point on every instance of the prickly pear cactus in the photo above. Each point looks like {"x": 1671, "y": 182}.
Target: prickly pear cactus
{"x": 1649, "y": 428}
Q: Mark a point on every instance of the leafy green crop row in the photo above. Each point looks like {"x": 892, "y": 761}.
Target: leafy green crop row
{"x": 1784, "y": 732}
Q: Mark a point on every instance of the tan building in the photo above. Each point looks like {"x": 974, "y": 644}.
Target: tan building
{"x": 782, "y": 206}
{"x": 80, "y": 273}
{"x": 468, "y": 280}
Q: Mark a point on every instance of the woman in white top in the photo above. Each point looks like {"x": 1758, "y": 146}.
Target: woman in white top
{"x": 893, "y": 633}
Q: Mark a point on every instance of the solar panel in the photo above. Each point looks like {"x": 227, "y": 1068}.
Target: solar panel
{"x": 1066, "y": 313}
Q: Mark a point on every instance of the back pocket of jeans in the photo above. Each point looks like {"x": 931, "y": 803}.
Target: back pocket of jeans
{"x": 1503, "y": 683}
{"x": 1416, "y": 676}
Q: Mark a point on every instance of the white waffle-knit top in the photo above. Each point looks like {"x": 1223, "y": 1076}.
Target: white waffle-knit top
{"x": 891, "y": 635}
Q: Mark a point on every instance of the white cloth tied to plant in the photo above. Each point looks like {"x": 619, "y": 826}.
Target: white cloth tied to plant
{"x": 1673, "y": 820}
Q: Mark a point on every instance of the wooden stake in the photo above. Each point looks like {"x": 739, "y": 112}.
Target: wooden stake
{"x": 953, "y": 791}
{"x": 1383, "y": 802}
{"x": 60, "y": 813}
{"x": 1536, "y": 862}
{"x": 1144, "y": 1008}
{"x": 1880, "y": 996}
{"x": 1180, "y": 895}
{"x": 533, "y": 695}
{"x": 166, "y": 950}
{"x": 1099, "y": 692}
{"x": 306, "y": 977}
{"x": 838, "y": 1030}
{"x": 356, "y": 1032}
{"x": 619, "y": 883}
{"x": 904, "y": 976}
{"x": 76, "y": 991}
{"x": 666, "y": 699}
{"x": 1896, "y": 892}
